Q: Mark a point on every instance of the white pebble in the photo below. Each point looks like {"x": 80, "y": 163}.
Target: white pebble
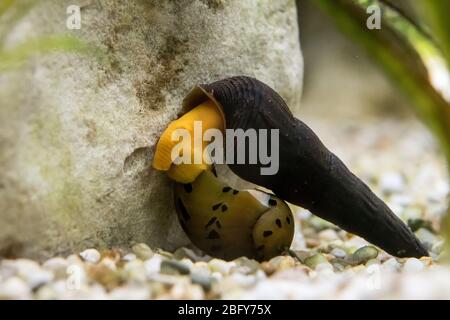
{"x": 324, "y": 268}
{"x": 221, "y": 266}
{"x": 413, "y": 265}
{"x": 243, "y": 280}
{"x": 46, "y": 293}
{"x": 135, "y": 271}
{"x": 187, "y": 291}
{"x": 56, "y": 265}
{"x": 74, "y": 259}
{"x": 391, "y": 265}
{"x": 129, "y": 257}
{"x": 153, "y": 265}
{"x": 338, "y": 253}
{"x": 201, "y": 268}
{"x": 217, "y": 276}
{"x": 131, "y": 293}
{"x": 31, "y": 272}
{"x": 38, "y": 277}
{"x": 401, "y": 200}
{"x": 328, "y": 235}
{"x": 392, "y": 182}
{"x": 90, "y": 255}
{"x": 14, "y": 288}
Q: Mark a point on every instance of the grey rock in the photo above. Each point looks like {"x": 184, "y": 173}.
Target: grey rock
{"x": 202, "y": 279}
{"x": 315, "y": 260}
{"x": 78, "y": 131}
{"x": 364, "y": 254}
{"x": 183, "y": 252}
{"x": 174, "y": 267}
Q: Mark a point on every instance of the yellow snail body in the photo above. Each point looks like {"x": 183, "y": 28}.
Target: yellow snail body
{"x": 309, "y": 175}
{"x": 228, "y": 223}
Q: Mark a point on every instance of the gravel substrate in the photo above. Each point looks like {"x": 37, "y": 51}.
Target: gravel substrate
{"x": 401, "y": 163}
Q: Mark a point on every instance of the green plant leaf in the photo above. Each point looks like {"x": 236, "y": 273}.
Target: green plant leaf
{"x": 18, "y": 55}
{"x": 401, "y": 50}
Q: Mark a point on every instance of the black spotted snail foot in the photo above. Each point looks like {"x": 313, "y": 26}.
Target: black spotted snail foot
{"x": 228, "y": 223}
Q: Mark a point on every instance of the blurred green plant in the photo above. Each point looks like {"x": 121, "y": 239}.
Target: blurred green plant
{"x": 11, "y": 12}
{"x": 404, "y": 49}
{"x": 436, "y": 14}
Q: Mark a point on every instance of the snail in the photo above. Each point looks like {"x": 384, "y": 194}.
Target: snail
{"x": 220, "y": 220}
{"x": 229, "y": 223}
{"x": 308, "y": 175}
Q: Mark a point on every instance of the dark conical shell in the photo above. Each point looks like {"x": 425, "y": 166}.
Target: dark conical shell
{"x": 309, "y": 174}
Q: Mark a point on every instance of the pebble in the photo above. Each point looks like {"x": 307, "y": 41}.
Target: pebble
{"x": 314, "y": 260}
{"x": 324, "y": 268}
{"x": 427, "y": 238}
{"x": 413, "y": 265}
{"x": 438, "y": 247}
{"x": 201, "y": 279}
{"x": 135, "y": 271}
{"x": 338, "y": 266}
{"x": 320, "y": 224}
{"x": 246, "y": 266}
{"x": 90, "y": 255}
{"x": 57, "y": 265}
{"x": 338, "y": 253}
{"x": 280, "y": 263}
{"x": 183, "y": 252}
{"x": 153, "y": 265}
{"x": 182, "y": 291}
{"x": 14, "y": 288}
{"x": 142, "y": 251}
{"x": 219, "y": 265}
{"x": 46, "y": 293}
{"x": 328, "y": 235}
{"x": 392, "y": 182}
{"x": 164, "y": 253}
{"x": 74, "y": 259}
{"x": 30, "y": 271}
{"x": 364, "y": 254}
{"x": 372, "y": 262}
{"x": 104, "y": 276}
{"x": 401, "y": 200}
{"x": 243, "y": 280}
{"x": 129, "y": 257}
{"x": 391, "y": 265}
{"x": 174, "y": 267}
{"x": 201, "y": 267}
{"x": 131, "y": 293}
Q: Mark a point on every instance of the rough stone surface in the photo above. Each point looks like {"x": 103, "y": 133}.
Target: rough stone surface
{"x": 77, "y": 133}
